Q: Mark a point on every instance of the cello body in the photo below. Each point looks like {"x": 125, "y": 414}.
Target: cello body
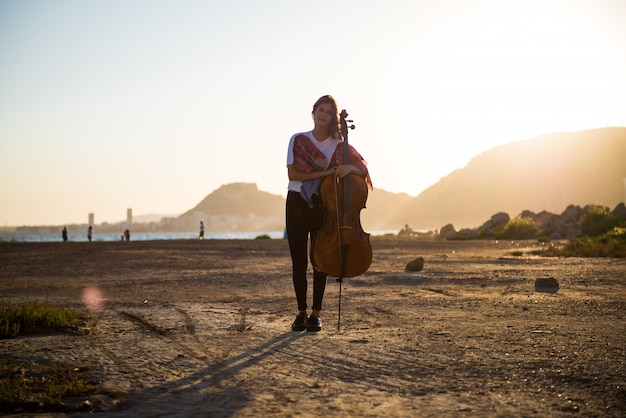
{"x": 341, "y": 248}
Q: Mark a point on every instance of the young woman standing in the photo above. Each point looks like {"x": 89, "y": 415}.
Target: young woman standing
{"x": 311, "y": 156}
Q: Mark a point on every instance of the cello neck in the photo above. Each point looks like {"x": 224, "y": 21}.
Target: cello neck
{"x": 347, "y": 202}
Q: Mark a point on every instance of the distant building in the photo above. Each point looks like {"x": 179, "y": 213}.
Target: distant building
{"x": 129, "y": 216}
{"x": 91, "y": 218}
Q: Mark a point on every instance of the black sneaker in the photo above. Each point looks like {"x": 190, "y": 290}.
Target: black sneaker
{"x": 314, "y": 324}
{"x": 300, "y": 323}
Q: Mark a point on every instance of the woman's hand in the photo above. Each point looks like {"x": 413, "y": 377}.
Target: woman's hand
{"x": 343, "y": 170}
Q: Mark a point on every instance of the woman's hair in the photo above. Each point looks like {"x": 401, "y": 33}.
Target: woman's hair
{"x": 333, "y": 126}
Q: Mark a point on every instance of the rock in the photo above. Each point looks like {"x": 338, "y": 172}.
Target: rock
{"x": 572, "y": 214}
{"x": 543, "y": 219}
{"x": 486, "y": 229}
{"x": 466, "y": 233}
{"x": 447, "y": 231}
{"x": 546, "y": 285}
{"x": 494, "y": 224}
{"x": 620, "y": 211}
{"x": 415, "y": 265}
{"x": 500, "y": 218}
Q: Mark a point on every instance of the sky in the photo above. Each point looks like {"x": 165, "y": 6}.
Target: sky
{"x": 152, "y": 104}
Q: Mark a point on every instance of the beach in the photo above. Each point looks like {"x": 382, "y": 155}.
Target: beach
{"x": 202, "y": 328}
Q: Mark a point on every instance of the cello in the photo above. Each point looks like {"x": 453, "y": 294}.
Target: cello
{"x": 341, "y": 248}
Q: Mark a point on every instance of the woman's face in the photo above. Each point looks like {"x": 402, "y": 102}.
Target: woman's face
{"x": 323, "y": 115}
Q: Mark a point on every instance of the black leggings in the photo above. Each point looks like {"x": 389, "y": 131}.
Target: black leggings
{"x": 300, "y": 221}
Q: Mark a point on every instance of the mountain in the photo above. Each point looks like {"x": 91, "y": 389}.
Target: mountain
{"x": 548, "y": 172}
{"x": 237, "y": 207}
{"x": 243, "y": 207}
{"x": 386, "y": 211}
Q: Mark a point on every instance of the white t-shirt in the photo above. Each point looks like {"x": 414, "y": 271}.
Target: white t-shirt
{"x": 327, "y": 147}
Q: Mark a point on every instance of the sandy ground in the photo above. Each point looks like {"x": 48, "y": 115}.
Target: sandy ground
{"x": 202, "y": 328}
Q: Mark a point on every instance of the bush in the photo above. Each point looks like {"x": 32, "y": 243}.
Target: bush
{"x": 518, "y": 228}
{"x": 597, "y": 221}
{"x": 617, "y": 234}
{"x": 610, "y": 244}
{"x": 588, "y": 247}
{"x": 33, "y": 317}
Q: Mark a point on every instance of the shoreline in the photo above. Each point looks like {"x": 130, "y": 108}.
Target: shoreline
{"x": 151, "y": 236}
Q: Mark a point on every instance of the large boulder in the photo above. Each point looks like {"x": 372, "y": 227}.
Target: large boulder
{"x": 447, "y": 232}
{"x": 500, "y": 218}
{"x": 466, "y": 233}
{"x": 543, "y": 219}
{"x": 571, "y": 215}
{"x": 494, "y": 224}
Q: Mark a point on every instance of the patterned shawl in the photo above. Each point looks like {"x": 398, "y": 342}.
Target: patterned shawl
{"x": 307, "y": 157}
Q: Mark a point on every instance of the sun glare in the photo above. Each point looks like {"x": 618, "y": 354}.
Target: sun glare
{"x": 518, "y": 75}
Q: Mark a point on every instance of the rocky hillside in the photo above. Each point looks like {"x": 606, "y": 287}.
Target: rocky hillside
{"x": 547, "y": 173}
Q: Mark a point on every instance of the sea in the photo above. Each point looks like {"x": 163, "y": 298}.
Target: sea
{"x": 150, "y": 236}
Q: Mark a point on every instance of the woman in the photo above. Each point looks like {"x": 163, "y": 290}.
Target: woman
{"x": 311, "y": 156}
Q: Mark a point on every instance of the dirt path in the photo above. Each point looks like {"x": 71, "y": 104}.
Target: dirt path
{"x": 195, "y": 328}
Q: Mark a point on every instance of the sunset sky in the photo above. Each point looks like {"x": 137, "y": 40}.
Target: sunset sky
{"x": 152, "y": 105}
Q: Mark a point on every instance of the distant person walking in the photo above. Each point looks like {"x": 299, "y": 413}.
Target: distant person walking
{"x": 201, "y": 230}
{"x": 127, "y": 234}
{"x": 312, "y": 156}
{"x": 89, "y": 233}
{"x": 64, "y": 234}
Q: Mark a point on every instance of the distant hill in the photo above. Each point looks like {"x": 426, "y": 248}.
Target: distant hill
{"x": 548, "y": 172}
{"x": 237, "y": 207}
{"x": 240, "y": 199}
{"x": 386, "y": 211}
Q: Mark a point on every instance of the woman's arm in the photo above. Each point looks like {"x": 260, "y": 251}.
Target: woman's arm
{"x": 341, "y": 171}
{"x": 297, "y": 175}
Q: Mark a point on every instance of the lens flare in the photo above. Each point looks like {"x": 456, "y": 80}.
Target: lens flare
{"x": 93, "y": 298}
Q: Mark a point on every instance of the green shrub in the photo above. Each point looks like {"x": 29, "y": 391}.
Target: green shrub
{"x": 33, "y": 317}
{"x": 597, "y": 221}
{"x": 544, "y": 235}
{"x": 263, "y": 236}
{"x": 611, "y": 244}
{"x": 617, "y": 234}
{"x": 518, "y": 228}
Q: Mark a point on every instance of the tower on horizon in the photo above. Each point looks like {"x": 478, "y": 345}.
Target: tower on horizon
{"x": 91, "y": 218}
{"x": 129, "y": 216}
